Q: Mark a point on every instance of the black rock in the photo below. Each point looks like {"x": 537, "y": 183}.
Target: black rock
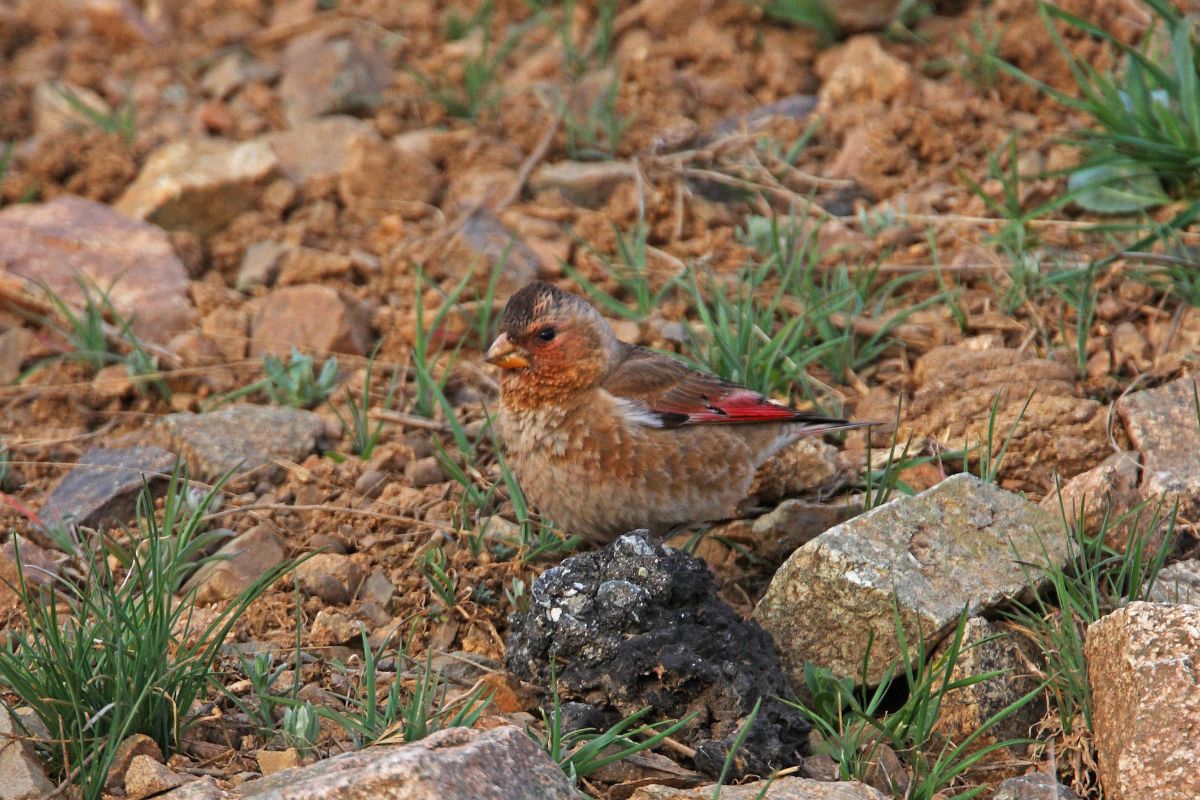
{"x": 637, "y": 624}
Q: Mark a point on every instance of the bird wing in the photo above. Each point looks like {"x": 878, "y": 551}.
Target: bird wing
{"x": 662, "y": 392}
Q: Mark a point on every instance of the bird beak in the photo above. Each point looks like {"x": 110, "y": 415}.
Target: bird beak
{"x": 506, "y": 355}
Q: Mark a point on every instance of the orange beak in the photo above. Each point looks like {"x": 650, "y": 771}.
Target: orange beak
{"x": 506, "y": 355}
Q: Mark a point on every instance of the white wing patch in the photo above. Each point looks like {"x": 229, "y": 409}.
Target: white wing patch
{"x": 635, "y": 413}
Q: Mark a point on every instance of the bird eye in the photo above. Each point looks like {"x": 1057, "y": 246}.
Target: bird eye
{"x": 546, "y": 334}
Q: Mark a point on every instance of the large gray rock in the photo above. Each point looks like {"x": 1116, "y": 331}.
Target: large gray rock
{"x": 103, "y": 485}
{"x": 1164, "y": 427}
{"x": 454, "y": 764}
{"x": 58, "y": 242}
{"x": 200, "y": 185}
{"x": 242, "y": 436}
{"x": 959, "y": 544}
{"x": 1144, "y": 668}
{"x": 1037, "y": 786}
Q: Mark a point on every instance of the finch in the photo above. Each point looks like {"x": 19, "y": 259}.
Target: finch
{"x": 605, "y": 437}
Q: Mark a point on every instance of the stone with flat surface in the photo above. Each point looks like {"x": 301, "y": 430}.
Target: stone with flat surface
{"x": 958, "y": 545}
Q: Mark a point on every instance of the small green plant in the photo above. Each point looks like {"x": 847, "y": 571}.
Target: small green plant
{"x": 1145, "y": 139}
{"x": 119, "y": 121}
{"x": 85, "y": 331}
{"x": 595, "y": 50}
{"x": 581, "y": 752}
{"x": 812, "y": 14}
{"x": 981, "y": 52}
{"x": 629, "y": 267}
{"x": 127, "y": 655}
{"x": 376, "y": 715}
{"x": 1077, "y": 288}
{"x": 296, "y": 383}
{"x": 356, "y": 421}
{"x": 597, "y": 135}
{"x": 442, "y": 582}
{"x": 301, "y": 727}
{"x": 738, "y": 741}
{"x": 5, "y": 467}
{"x": 991, "y": 459}
{"x": 477, "y": 89}
{"x": 262, "y": 673}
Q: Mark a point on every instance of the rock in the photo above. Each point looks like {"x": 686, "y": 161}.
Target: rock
{"x": 1037, "y": 786}
{"x": 864, "y": 15}
{"x": 55, "y": 243}
{"x": 1110, "y": 489}
{"x": 377, "y": 589}
{"x": 424, "y": 472}
{"x": 309, "y": 265}
{"x": 242, "y": 437}
{"x": 39, "y": 567}
{"x": 861, "y": 71}
{"x": 332, "y": 629}
{"x": 272, "y": 761}
{"x": 804, "y": 466}
{"x": 379, "y": 179}
{"x": 15, "y": 346}
{"x": 120, "y": 22}
{"x": 55, "y": 115}
{"x": 332, "y": 577}
{"x": 1164, "y": 428}
{"x": 318, "y": 150}
{"x": 1059, "y": 432}
{"x": 956, "y": 545}
{"x": 147, "y": 777}
{"x": 103, "y": 486}
{"x": 260, "y": 265}
{"x": 22, "y": 774}
{"x": 1177, "y": 583}
{"x": 200, "y": 185}
{"x": 453, "y": 764}
{"x": 987, "y": 648}
{"x": 139, "y": 744}
{"x": 239, "y": 563}
{"x": 584, "y": 183}
{"x": 232, "y": 71}
{"x": 311, "y": 317}
{"x": 323, "y": 75}
{"x": 1143, "y": 669}
{"x": 370, "y": 483}
{"x": 789, "y": 525}
{"x": 481, "y": 244}
{"x": 637, "y": 625}
{"x": 789, "y": 788}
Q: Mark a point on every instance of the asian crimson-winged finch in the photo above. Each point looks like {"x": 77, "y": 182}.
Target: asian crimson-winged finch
{"x": 605, "y": 436}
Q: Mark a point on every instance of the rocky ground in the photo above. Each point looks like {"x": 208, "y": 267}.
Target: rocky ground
{"x": 197, "y": 196}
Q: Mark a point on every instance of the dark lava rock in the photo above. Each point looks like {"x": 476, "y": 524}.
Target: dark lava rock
{"x": 637, "y": 624}
{"x": 103, "y": 486}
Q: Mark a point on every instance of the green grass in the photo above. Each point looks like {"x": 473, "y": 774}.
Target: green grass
{"x": 581, "y": 752}
{"x": 1100, "y": 580}
{"x": 356, "y": 421}
{"x": 1144, "y": 143}
{"x": 120, "y": 654}
{"x": 812, "y": 14}
{"x": 597, "y": 135}
{"x": 120, "y": 121}
{"x": 855, "y": 722}
{"x": 629, "y": 267}
{"x": 374, "y": 714}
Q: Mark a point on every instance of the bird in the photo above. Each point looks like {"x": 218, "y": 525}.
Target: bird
{"x": 605, "y": 437}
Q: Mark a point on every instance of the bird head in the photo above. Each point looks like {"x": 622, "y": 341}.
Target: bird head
{"x": 551, "y": 343}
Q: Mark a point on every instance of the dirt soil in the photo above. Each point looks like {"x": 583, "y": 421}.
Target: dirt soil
{"x": 903, "y": 136}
